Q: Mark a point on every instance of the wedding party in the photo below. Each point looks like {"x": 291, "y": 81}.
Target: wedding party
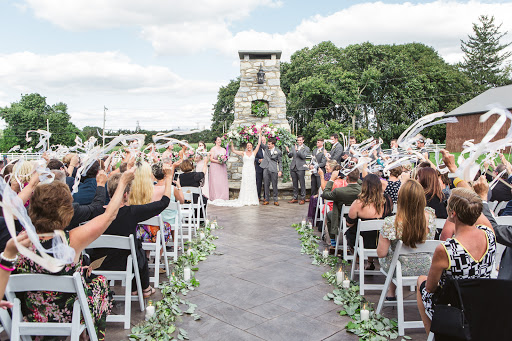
{"x": 256, "y": 171}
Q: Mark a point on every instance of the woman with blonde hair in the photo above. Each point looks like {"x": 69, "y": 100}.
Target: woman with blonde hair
{"x": 413, "y": 224}
{"x": 371, "y": 204}
{"x": 141, "y": 190}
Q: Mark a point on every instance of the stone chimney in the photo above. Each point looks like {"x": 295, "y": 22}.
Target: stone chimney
{"x": 269, "y": 91}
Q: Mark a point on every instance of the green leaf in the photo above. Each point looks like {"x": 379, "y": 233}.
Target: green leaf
{"x": 407, "y": 337}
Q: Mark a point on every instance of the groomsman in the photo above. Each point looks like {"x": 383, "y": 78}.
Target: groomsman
{"x": 259, "y": 171}
{"x": 298, "y": 170}
{"x": 337, "y": 149}
{"x": 321, "y": 160}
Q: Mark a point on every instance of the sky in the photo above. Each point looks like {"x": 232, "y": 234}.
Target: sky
{"x": 161, "y": 62}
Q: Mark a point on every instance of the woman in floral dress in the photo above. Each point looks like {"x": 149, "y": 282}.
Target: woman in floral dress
{"x": 51, "y": 211}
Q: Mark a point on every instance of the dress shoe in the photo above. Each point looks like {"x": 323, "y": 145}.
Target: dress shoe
{"x": 302, "y": 202}
{"x": 276, "y": 203}
{"x": 307, "y": 200}
{"x": 265, "y": 202}
{"x": 293, "y": 201}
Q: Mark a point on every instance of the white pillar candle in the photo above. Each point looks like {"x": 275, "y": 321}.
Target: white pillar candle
{"x": 339, "y": 277}
{"x": 201, "y": 235}
{"x": 150, "y": 310}
{"x": 189, "y": 252}
{"x": 207, "y": 222}
{"x": 186, "y": 274}
{"x": 325, "y": 254}
{"x": 365, "y": 315}
{"x": 214, "y": 226}
{"x": 346, "y": 284}
{"x": 303, "y": 223}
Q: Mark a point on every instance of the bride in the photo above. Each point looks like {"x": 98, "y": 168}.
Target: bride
{"x": 248, "y": 195}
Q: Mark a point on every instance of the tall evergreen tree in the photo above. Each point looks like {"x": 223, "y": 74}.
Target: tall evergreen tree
{"x": 485, "y": 58}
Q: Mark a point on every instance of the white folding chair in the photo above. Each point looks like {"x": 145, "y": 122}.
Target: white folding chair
{"x": 363, "y": 253}
{"x": 178, "y": 233}
{"x": 5, "y": 319}
{"x": 318, "y": 210}
{"x": 39, "y": 282}
{"x": 155, "y": 249}
{"x": 492, "y": 205}
{"x": 341, "y": 232}
{"x": 188, "y": 215}
{"x": 126, "y": 276}
{"x": 440, "y": 224}
{"x": 326, "y": 210}
{"x": 198, "y": 206}
{"x": 501, "y": 205}
{"x": 504, "y": 220}
{"x": 394, "y": 274}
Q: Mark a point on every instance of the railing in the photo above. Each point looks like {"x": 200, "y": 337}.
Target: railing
{"x": 27, "y": 156}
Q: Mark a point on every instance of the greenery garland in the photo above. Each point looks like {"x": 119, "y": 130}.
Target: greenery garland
{"x": 377, "y": 327}
{"x": 161, "y": 326}
{"x": 259, "y": 108}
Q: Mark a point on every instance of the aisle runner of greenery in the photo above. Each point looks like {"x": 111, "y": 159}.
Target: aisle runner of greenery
{"x": 377, "y": 327}
{"x": 161, "y": 326}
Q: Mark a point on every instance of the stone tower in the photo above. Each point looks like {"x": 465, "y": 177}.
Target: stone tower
{"x": 269, "y": 91}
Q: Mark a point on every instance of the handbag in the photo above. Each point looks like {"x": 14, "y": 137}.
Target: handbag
{"x": 449, "y": 320}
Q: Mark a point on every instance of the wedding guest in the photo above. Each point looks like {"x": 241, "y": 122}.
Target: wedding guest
{"x": 470, "y": 254}
{"x": 413, "y": 224}
{"x": 189, "y": 178}
{"x": 87, "y": 186}
{"x": 218, "y": 180}
{"x": 371, "y": 204}
{"x": 501, "y": 192}
{"x": 298, "y": 153}
{"x": 200, "y": 160}
{"x": 51, "y": 210}
{"x": 427, "y": 177}
{"x": 337, "y": 149}
{"x": 183, "y": 151}
{"x": 423, "y": 151}
{"x": 340, "y": 196}
{"x": 125, "y": 224}
{"x": 318, "y": 154}
{"x": 393, "y": 183}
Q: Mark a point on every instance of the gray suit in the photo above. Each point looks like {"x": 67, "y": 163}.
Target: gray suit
{"x": 337, "y": 153}
{"x": 315, "y": 178}
{"x": 271, "y": 164}
{"x": 503, "y": 236}
{"x": 298, "y": 171}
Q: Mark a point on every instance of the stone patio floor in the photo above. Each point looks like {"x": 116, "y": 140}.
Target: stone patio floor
{"x": 262, "y": 288}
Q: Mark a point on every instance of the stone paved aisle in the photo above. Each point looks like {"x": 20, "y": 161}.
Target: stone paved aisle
{"x": 262, "y": 288}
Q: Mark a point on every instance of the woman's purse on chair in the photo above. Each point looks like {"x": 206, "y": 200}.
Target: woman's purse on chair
{"x": 449, "y": 320}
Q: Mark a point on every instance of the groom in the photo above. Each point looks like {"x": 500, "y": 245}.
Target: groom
{"x": 272, "y": 167}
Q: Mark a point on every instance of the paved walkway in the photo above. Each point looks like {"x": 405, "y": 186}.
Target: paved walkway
{"x": 262, "y": 287}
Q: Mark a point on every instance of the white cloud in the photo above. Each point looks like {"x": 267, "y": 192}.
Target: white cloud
{"x": 88, "y": 80}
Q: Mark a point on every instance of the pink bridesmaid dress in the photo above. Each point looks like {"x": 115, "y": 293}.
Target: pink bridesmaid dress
{"x": 218, "y": 180}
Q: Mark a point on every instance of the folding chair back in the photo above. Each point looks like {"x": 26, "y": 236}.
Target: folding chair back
{"x": 341, "y": 233}
{"x": 326, "y": 209}
{"x": 156, "y": 248}
{"x": 363, "y": 253}
{"x": 501, "y": 205}
{"x": 188, "y": 214}
{"x": 178, "y": 231}
{"x": 492, "y": 205}
{"x": 5, "y": 319}
{"x": 198, "y": 206}
{"x": 39, "y": 282}
{"x": 125, "y": 276}
{"x": 318, "y": 209}
{"x": 504, "y": 220}
{"x": 400, "y": 281}
{"x": 439, "y": 225}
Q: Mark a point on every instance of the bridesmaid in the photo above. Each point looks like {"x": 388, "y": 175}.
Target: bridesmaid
{"x": 183, "y": 152}
{"x": 201, "y": 147}
{"x": 219, "y": 188}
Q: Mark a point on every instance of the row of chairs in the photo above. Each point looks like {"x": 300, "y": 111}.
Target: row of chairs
{"x": 189, "y": 217}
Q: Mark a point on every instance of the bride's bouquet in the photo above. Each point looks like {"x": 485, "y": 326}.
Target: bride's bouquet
{"x": 222, "y": 159}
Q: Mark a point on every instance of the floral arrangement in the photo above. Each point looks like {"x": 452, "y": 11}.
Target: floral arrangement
{"x": 222, "y": 159}
{"x": 175, "y": 157}
{"x": 259, "y": 109}
{"x": 189, "y": 154}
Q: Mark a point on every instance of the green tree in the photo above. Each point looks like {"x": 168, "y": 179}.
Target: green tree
{"x": 224, "y": 108}
{"x": 484, "y": 55}
{"x": 89, "y": 131}
{"x": 32, "y": 113}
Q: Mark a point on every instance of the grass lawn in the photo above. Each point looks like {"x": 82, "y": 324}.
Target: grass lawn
{"x": 496, "y": 160}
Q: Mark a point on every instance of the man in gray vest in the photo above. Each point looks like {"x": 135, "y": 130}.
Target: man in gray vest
{"x": 272, "y": 168}
{"x": 321, "y": 160}
{"x": 336, "y": 150}
{"x": 298, "y": 170}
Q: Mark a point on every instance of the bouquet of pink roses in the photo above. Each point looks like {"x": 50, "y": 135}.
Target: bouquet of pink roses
{"x": 222, "y": 159}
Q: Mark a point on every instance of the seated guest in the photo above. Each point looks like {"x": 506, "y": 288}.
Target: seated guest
{"x": 470, "y": 254}
{"x": 393, "y": 183}
{"x": 340, "y": 196}
{"x": 125, "y": 224}
{"x": 500, "y": 192}
{"x": 371, "y": 204}
{"x": 148, "y": 233}
{"x": 51, "y": 209}
{"x": 190, "y": 178}
{"x": 431, "y": 183}
{"x": 87, "y": 187}
{"x": 413, "y": 224}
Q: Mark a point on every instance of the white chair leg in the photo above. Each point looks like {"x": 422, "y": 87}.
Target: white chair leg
{"x": 400, "y": 299}
{"x": 128, "y": 299}
{"x": 430, "y": 336}
{"x": 16, "y": 319}
{"x": 75, "y": 322}
{"x": 361, "y": 269}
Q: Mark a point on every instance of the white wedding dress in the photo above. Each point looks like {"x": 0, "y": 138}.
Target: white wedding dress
{"x": 248, "y": 195}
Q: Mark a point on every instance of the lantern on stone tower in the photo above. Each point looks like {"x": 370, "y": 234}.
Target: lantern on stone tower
{"x": 261, "y": 76}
